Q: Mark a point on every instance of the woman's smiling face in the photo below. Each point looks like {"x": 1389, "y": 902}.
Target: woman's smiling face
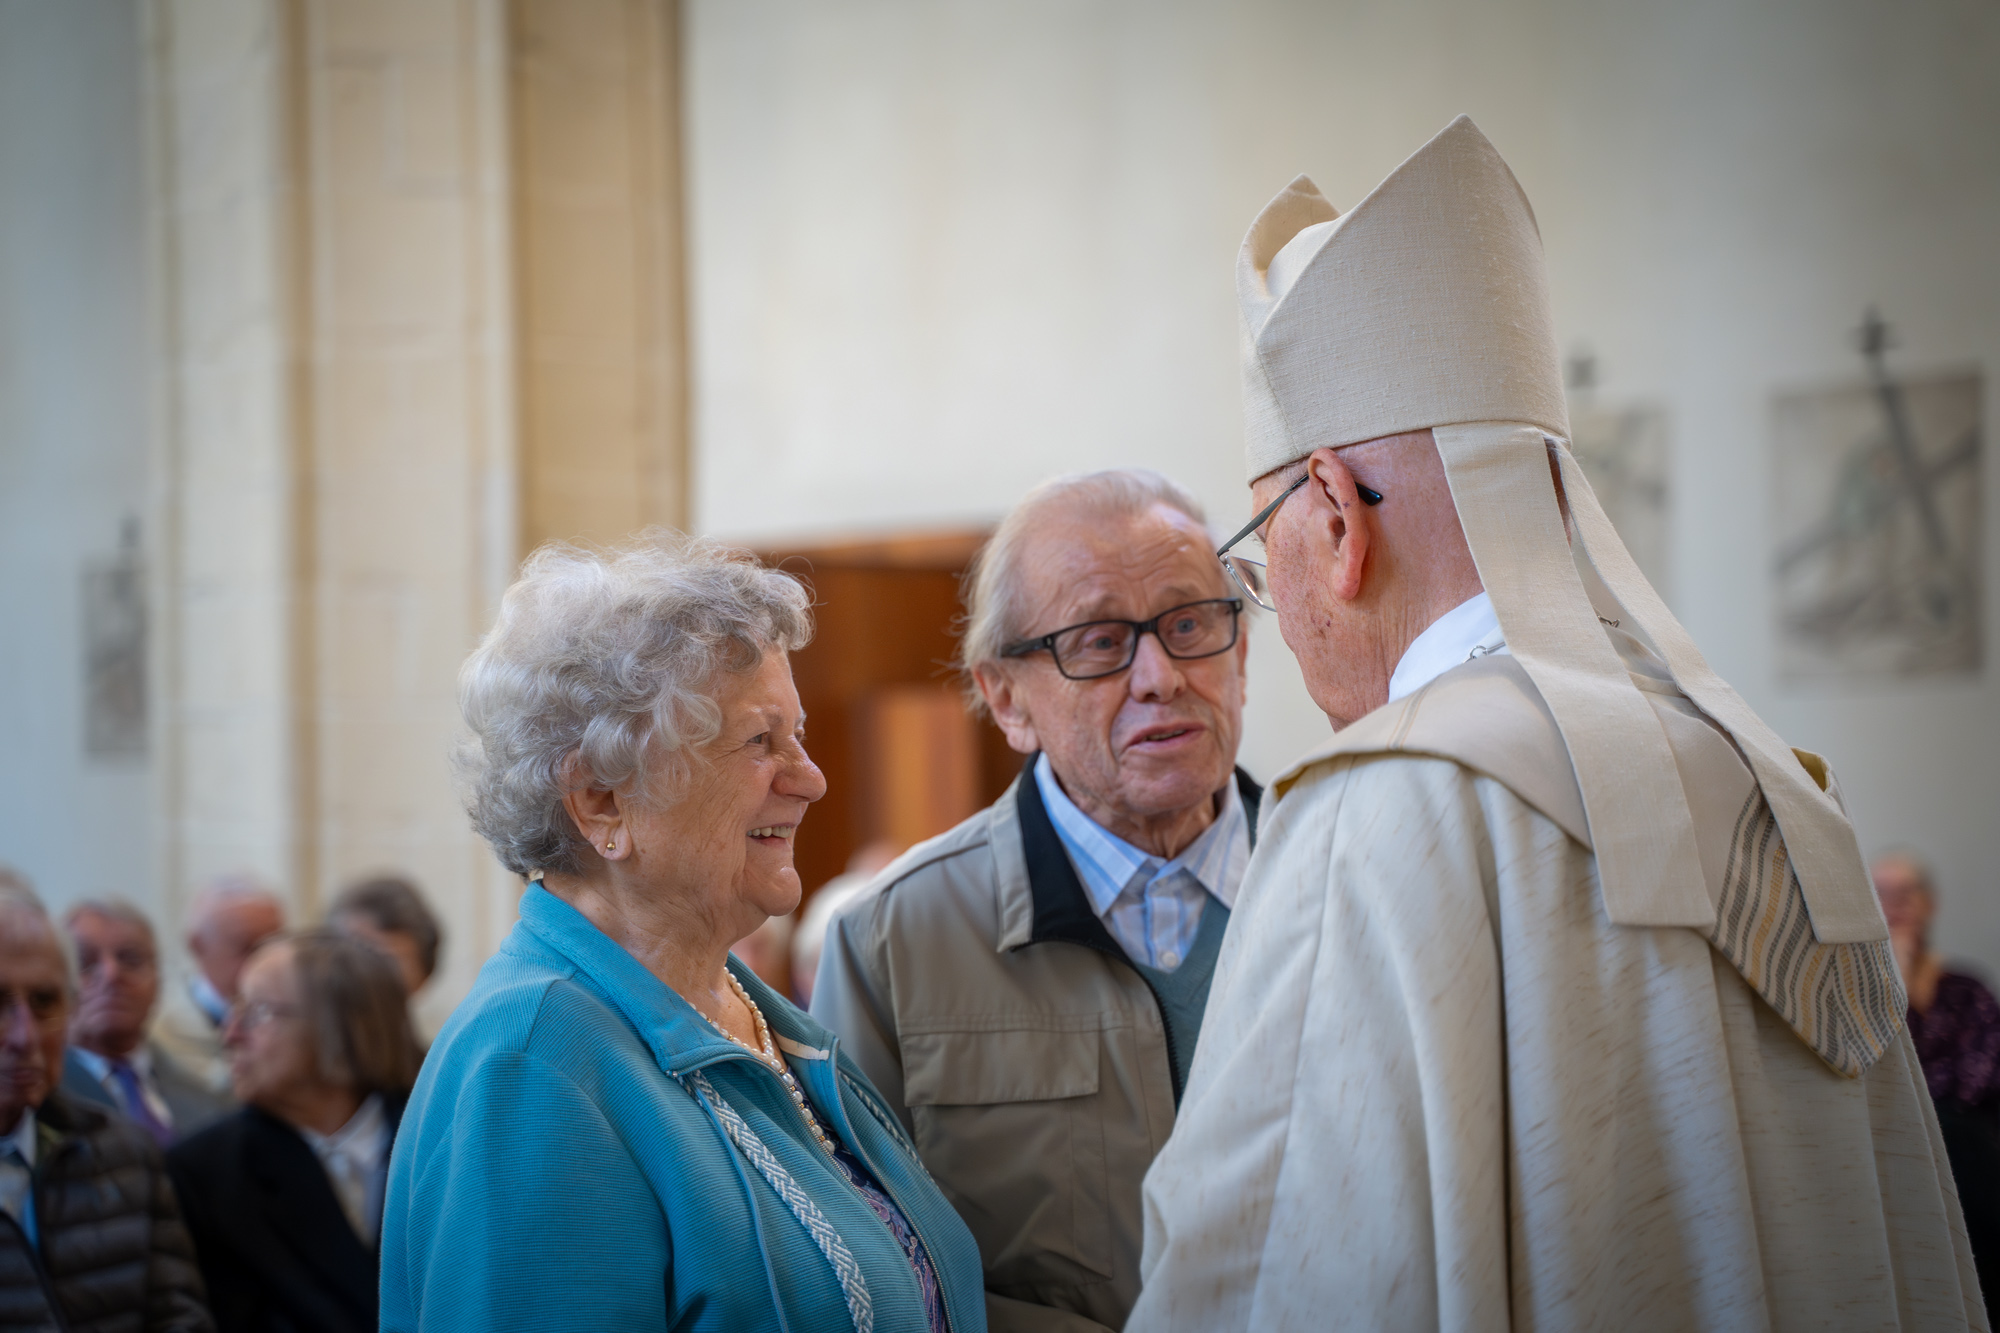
{"x": 724, "y": 842}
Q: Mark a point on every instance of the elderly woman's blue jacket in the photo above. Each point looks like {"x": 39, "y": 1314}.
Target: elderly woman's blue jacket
{"x": 568, "y": 1161}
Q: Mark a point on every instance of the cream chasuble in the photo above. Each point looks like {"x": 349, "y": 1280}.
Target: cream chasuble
{"x": 1438, "y": 1088}
{"x": 1556, "y": 996}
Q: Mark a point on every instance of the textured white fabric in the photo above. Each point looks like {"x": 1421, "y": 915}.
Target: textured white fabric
{"x": 1468, "y": 630}
{"x": 1151, "y": 905}
{"x": 1427, "y": 307}
{"x": 1438, "y": 1088}
{"x": 1826, "y": 854}
{"x": 1640, "y": 824}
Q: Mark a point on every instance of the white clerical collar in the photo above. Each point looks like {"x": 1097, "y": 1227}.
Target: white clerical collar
{"x": 1468, "y": 630}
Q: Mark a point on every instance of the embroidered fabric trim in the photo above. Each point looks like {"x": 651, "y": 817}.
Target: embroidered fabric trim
{"x": 853, "y": 1284}
{"x": 1845, "y": 1000}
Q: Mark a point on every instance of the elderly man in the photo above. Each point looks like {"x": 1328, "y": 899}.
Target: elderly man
{"x": 110, "y": 1060}
{"x": 1558, "y": 998}
{"x": 1028, "y": 988}
{"x": 226, "y": 923}
{"x": 90, "y": 1236}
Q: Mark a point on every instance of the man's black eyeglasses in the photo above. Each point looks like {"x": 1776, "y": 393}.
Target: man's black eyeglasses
{"x": 1247, "y": 572}
{"x": 1106, "y": 647}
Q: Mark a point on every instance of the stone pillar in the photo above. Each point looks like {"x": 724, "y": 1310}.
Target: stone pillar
{"x": 409, "y": 523}
{"x": 228, "y": 662}
{"x": 348, "y": 198}
{"x": 338, "y": 501}
{"x": 596, "y": 165}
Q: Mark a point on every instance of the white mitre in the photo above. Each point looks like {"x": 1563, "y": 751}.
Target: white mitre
{"x": 1427, "y": 306}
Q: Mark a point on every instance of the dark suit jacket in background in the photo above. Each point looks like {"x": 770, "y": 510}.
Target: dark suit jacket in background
{"x": 278, "y": 1253}
{"x": 190, "y": 1102}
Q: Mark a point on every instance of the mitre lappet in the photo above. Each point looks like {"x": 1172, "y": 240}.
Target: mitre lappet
{"x": 1427, "y": 306}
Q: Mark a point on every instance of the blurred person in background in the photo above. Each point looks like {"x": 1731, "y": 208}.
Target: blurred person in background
{"x": 284, "y": 1198}
{"x": 809, "y": 940}
{"x": 622, "y": 1127}
{"x": 1955, "y": 1024}
{"x": 767, "y": 951}
{"x": 390, "y": 914}
{"x": 110, "y": 1059}
{"x": 225, "y": 924}
{"x": 1028, "y": 989}
{"x": 90, "y": 1237}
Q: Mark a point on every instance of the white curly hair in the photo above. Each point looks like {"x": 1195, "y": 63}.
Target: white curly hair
{"x": 599, "y": 673}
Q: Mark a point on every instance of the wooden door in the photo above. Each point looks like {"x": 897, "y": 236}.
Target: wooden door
{"x": 885, "y": 718}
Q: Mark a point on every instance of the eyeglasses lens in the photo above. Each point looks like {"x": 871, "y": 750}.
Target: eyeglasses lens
{"x": 1249, "y": 576}
{"x": 1106, "y": 646}
{"x": 1094, "y": 650}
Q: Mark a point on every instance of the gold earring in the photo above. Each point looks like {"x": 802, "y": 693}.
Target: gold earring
{"x": 610, "y": 847}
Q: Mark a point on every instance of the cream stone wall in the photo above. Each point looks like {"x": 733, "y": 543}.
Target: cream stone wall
{"x": 336, "y": 452}
{"x": 418, "y": 281}
{"x": 409, "y": 521}
{"x": 73, "y": 430}
{"x": 225, "y": 469}
{"x": 938, "y": 252}
{"x": 595, "y": 92}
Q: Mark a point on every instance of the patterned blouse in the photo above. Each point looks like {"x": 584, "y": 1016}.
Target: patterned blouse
{"x": 1958, "y": 1043}
{"x": 906, "y": 1235}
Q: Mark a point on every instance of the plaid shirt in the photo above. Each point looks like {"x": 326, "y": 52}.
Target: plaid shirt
{"x": 1151, "y": 906}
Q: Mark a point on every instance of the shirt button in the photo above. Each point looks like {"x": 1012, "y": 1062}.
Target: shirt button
{"x": 1170, "y": 959}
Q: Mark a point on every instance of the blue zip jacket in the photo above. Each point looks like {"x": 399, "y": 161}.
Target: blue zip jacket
{"x": 567, "y": 1162}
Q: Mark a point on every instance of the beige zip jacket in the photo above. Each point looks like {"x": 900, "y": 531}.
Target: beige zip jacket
{"x": 975, "y": 986}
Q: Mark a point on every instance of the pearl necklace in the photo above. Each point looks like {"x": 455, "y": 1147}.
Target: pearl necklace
{"x": 767, "y": 1052}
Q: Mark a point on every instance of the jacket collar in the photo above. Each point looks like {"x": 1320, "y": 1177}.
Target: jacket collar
{"x": 300, "y": 1211}
{"x": 679, "y": 1037}
{"x": 1040, "y": 896}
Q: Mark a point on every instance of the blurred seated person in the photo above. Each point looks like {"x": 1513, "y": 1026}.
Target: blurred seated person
{"x": 285, "y": 1197}
{"x": 1955, "y": 1024}
{"x": 809, "y": 939}
{"x": 390, "y": 914}
{"x": 90, "y": 1237}
{"x": 226, "y": 922}
{"x": 110, "y": 1059}
{"x": 622, "y": 1126}
{"x": 1028, "y": 989}
{"x": 1954, "y": 1019}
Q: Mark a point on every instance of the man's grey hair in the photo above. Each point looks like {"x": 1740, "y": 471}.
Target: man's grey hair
{"x": 22, "y": 912}
{"x": 222, "y": 892}
{"x": 993, "y": 585}
{"x": 599, "y": 673}
{"x": 111, "y": 909}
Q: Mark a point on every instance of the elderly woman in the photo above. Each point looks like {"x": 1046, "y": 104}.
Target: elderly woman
{"x": 1955, "y": 1023}
{"x": 622, "y": 1127}
{"x": 284, "y": 1198}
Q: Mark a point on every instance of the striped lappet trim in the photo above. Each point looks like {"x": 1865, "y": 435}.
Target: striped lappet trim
{"x": 853, "y": 1284}
{"x": 1845, "y": 1000}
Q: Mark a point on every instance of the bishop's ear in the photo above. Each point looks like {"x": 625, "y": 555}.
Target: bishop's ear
{"x": 1342, "y": 526}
